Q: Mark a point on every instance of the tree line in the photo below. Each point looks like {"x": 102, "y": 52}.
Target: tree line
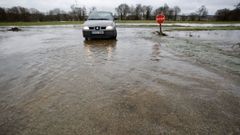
{"x": 123, "y": 12}
{"x": 228, "y": 15}
{"x": 18, "y": 13}
{"x": 145, "y": 12}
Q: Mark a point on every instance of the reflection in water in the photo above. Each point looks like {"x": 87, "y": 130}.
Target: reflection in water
{"x": 156, "y": 52}
{"x": 96, "y": 49}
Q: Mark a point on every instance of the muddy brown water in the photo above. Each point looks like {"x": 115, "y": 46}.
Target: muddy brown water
{"x": 53, "y": 82}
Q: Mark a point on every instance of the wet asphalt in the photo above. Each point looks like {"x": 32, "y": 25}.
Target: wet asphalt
{"x": 54, "y": 82}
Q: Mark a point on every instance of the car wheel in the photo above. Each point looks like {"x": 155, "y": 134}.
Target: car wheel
{"x": 114, "y": 37}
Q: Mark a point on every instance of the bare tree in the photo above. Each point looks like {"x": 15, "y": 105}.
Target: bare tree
{"x": 132, "y": 10}
{"x": 237, "y": 6}
{"x": 79, "y": 13}
{"x": 138, "y": 11}
{"x": 166, "y": 10}
{"x": 57, "y": 14}
{"x": 3, "y": 14}
{"x": 13, "y": 14}
{"x": 34, "y": 11}
{"x": 158, "y": 10}
{"x": 183, "y": 17}
{"x": 235, "y": 13}
{"x": 147, "y": 11}
{"x": 222, "y": 14}
{"x": 25, "y": 14}
{"x": 144, "y": 11}
{"x": 193, "y": 16}
{"x": 122, "y": 10}
{"x": 171, "y": 14}
{"x": 132, "y": 14}
{"x": 202, "y": 12}
{"x": 55, "y": 11}
{"x": 84, "y": 12}
{"x": 177, "y": 10}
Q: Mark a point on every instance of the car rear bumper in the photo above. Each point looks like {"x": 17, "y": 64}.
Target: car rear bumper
{"x": 106, "y": 34}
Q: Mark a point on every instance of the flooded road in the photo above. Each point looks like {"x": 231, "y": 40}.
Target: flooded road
{"x": 53, "y": 82}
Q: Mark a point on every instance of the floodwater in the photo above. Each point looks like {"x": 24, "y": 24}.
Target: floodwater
{"x": 53, "y": 82}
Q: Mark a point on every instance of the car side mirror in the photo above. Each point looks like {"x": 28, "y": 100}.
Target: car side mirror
{"x": 115, "y": 18}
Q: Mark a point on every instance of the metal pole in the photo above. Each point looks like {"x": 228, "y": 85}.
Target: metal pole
{"x": 160, "y": 28}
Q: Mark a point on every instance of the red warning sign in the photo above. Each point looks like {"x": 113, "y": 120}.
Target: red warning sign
{"x": 160, "y": 18}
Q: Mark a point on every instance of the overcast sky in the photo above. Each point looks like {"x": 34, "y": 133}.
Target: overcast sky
{"x": 187, "y": 6}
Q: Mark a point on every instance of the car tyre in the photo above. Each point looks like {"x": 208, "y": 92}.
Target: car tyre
{"x": 114, "y": 37}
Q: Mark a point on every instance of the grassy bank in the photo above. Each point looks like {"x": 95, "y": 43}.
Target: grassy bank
{"x": 118, "y": 21}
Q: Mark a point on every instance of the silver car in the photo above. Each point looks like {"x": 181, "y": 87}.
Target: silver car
{"x": 100, "y": 24}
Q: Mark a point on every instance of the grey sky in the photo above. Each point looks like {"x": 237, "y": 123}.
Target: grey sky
{"x": 187, "y": 6}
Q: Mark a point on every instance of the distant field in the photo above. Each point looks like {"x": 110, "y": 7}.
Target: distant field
{"x": 119, "y": 21}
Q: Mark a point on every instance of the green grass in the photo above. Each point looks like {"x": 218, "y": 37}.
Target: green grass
{"x": 118, "y": 21}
